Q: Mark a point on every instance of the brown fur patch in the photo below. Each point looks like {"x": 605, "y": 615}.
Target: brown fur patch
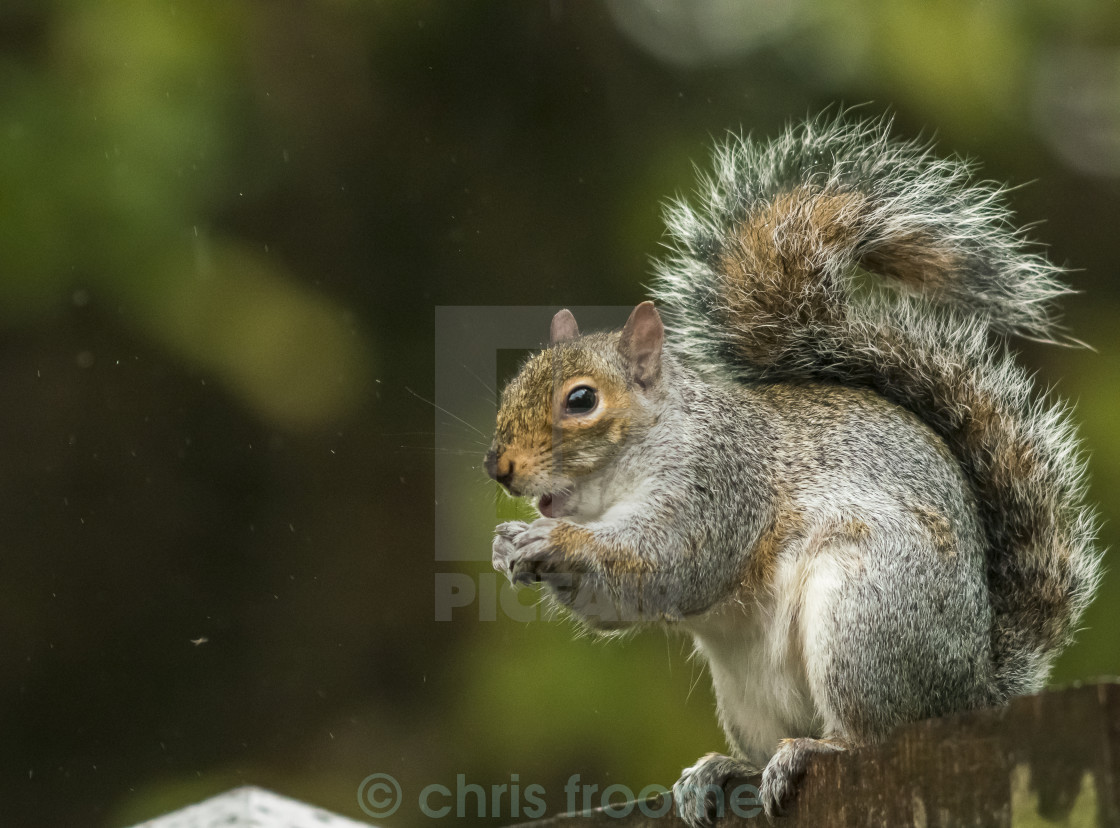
{"x": 776, "y": 265}
{"x": 939, "y": 528}
{"x": 914, "y": 259}
{"x": 850, "y": 530}
{"x": 853, "y": 529}
{"x": 575, "y": 541}
{"x": 762, "y": 563}
{"x": 782, "y": 242}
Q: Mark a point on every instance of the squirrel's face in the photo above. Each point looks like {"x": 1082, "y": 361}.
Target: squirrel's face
{"x": 570, "y": 409}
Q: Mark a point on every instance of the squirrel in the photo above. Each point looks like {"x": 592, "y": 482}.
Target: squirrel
{"x": 843, "y": 488}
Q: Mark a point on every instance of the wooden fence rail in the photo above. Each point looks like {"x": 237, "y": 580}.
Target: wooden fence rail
{"x": 1046, "y": 760}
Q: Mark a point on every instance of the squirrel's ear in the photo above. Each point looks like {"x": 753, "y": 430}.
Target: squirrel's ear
{"x": 641, "y": 342}
{"x": 564, "y": 327}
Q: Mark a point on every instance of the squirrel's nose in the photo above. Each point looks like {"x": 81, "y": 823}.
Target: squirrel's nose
{"x": 500, "y": 468}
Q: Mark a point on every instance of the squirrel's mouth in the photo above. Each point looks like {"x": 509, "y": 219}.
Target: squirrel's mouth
{"x": 552, "y": 505}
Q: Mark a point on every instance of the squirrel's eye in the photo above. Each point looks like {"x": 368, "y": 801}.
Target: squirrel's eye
{"x": 580, "y": 400}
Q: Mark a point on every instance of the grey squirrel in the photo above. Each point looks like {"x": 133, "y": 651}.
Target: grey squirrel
{"x": 848, "y": 494}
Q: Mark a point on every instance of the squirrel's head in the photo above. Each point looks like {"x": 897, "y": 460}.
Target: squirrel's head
{"x": 572, "y": 407}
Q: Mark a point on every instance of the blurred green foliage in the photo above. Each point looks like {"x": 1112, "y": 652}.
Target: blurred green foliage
{"x": 224, "y": 228}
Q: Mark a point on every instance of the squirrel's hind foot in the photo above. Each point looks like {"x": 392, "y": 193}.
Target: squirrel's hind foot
{"x": 786, "y": 768}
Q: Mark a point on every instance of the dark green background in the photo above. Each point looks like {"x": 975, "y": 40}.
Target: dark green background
{"x": 224, "y": 231}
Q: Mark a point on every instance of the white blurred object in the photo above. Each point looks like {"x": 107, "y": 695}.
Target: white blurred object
{"x": 690, "y": 32}
{"x": 254, "y": 807}
{"x": 1076, "y": 107}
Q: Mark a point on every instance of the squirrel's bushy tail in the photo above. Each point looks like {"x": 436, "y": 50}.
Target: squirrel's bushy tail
{"x": 775, "y": 258}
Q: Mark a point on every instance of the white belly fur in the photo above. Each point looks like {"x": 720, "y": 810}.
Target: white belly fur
{"x": 756, "y": 651}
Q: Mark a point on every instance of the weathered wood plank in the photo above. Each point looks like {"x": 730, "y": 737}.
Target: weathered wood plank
{"x": 1046, "y": 760}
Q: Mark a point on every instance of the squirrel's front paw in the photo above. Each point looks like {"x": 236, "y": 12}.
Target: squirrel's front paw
{"x": 535, "y": 556}
{"x": 527, "y": 554}
{"x": 503, "y": 549}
